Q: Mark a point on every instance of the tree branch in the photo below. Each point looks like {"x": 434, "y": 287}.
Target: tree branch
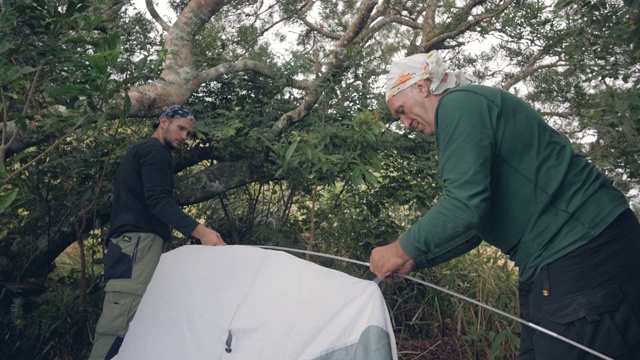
{"x": 247, "y": 65}
{"x": 275, "y": 23}
{"x": 464, "y": 27}
{"x": 32, "y": 161}
{"x": 563, "y": 115}
{"x": 319, "y": 29}
{"x": 48, "y": 244}
{"x": 5, "y": 123}
{"x": 154, "y": 14}
{"x": 382, "y": 9}
{"x": 178, "y": 79}
{"x": 338, "y": 58}
{"x": 429, "y": 27}
{"x": 400, "y": 21}
{"x": 530, "y": 69}
{"x": 355, "y": 28}
{"x": 213, "y": 181}
{"x": 5, "y": 130}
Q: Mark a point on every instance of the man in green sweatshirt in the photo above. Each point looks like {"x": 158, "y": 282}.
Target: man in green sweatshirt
{"x": 514, "y": 182}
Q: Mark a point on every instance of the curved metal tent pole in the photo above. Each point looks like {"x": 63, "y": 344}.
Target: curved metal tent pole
{"x": 453, "y": 293}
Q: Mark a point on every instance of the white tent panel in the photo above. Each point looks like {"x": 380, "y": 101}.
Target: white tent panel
{"x": 274, "y": 305}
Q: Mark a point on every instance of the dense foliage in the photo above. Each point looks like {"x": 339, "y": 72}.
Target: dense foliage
{"x": 295, "y": 145}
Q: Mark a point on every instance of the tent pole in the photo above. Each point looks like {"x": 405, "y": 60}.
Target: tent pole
{"x": 453, "y": 293}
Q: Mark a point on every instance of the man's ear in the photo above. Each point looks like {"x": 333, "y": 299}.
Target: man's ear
{"x": 163, "y": 122}
{"x": 423, "y": 88}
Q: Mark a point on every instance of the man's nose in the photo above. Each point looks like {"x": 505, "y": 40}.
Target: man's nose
{"x": 406, "y": 122}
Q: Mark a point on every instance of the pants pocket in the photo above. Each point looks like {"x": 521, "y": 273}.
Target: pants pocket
{"x": 594, "y": 318}
{"x": 117, "y": 311}
{"x": 117, "y": 263}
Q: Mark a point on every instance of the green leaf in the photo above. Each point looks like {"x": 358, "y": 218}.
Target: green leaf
{"x": 370, "y": 137}
{"x": 308, "y": 152}
{"x": 26, "y": 70}
{"x": 290, "y": 150}
{"x": 376, "y": 164}
{"x": 7, "y": 199}
{"x": 11, "y": 95}
{"x": 268, "y": 143}
{"x": 69, "y": 90}
{"x": 369, "y": 177}
{"x": 320, "y": 165}
{"x": 141, "y": 65}
{"x": 4, "y": 45}
{"x": 564, "y": 3}
{"x": 127, "y": 104}
{"x": 497, "y": 342}
{"x": 356, "y": 177}
{"x": 101, "y": 121}
{"x": 98, "y": 62}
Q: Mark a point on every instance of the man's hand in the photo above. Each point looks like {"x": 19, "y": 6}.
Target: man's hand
{"x": 207, "y": 236}
{"x": 386, "y": 260}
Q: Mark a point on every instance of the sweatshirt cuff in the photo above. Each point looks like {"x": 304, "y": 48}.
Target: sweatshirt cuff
{"x": 410, "y": 249}
{"x": 448, "y": 250}
{"x": 187, "y": 230}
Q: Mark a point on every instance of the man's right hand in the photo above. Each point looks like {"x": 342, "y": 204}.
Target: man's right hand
{"x": 207, "y": 236}
{"x": 389, "y": 259}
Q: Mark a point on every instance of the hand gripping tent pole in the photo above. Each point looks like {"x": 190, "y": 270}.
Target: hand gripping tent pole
{"x": 453, "y": 293}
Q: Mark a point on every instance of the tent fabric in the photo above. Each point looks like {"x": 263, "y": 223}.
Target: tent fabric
{"x": 266, "y": 304}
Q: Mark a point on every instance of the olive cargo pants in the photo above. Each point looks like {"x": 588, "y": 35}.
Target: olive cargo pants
{"x": 129, "y": 264}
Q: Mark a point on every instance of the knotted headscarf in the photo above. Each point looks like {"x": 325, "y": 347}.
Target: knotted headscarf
{"x": 407, "y": 71}
{"x": 175, "y": 111}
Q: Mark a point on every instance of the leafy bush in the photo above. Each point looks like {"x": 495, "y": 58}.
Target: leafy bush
{"x": 53, "y": 325}
{"x": 419, "y": 312}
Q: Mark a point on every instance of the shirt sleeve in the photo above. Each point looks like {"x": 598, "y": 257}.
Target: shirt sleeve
{"x": 157, "y": 178}
{"x": 465, "y": 142}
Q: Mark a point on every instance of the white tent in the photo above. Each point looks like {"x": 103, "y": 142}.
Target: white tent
{"x": 240, "y": 302}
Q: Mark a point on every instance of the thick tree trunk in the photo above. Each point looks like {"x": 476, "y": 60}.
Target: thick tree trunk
{"x": 29, "y": 255}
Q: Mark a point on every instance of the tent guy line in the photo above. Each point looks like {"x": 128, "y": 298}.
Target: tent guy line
{"x": 453, "y": 293}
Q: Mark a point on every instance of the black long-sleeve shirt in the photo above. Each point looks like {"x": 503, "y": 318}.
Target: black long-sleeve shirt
{"x": 143, "y": 193}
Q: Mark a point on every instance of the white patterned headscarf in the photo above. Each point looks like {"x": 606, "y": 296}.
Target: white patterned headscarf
{"x": 407, "y": 71}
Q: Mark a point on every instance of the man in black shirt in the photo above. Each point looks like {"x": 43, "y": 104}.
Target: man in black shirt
{"x": 142, "y": 215}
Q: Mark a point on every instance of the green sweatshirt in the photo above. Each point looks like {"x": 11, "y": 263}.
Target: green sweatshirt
{"x": 510, "y": 180}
